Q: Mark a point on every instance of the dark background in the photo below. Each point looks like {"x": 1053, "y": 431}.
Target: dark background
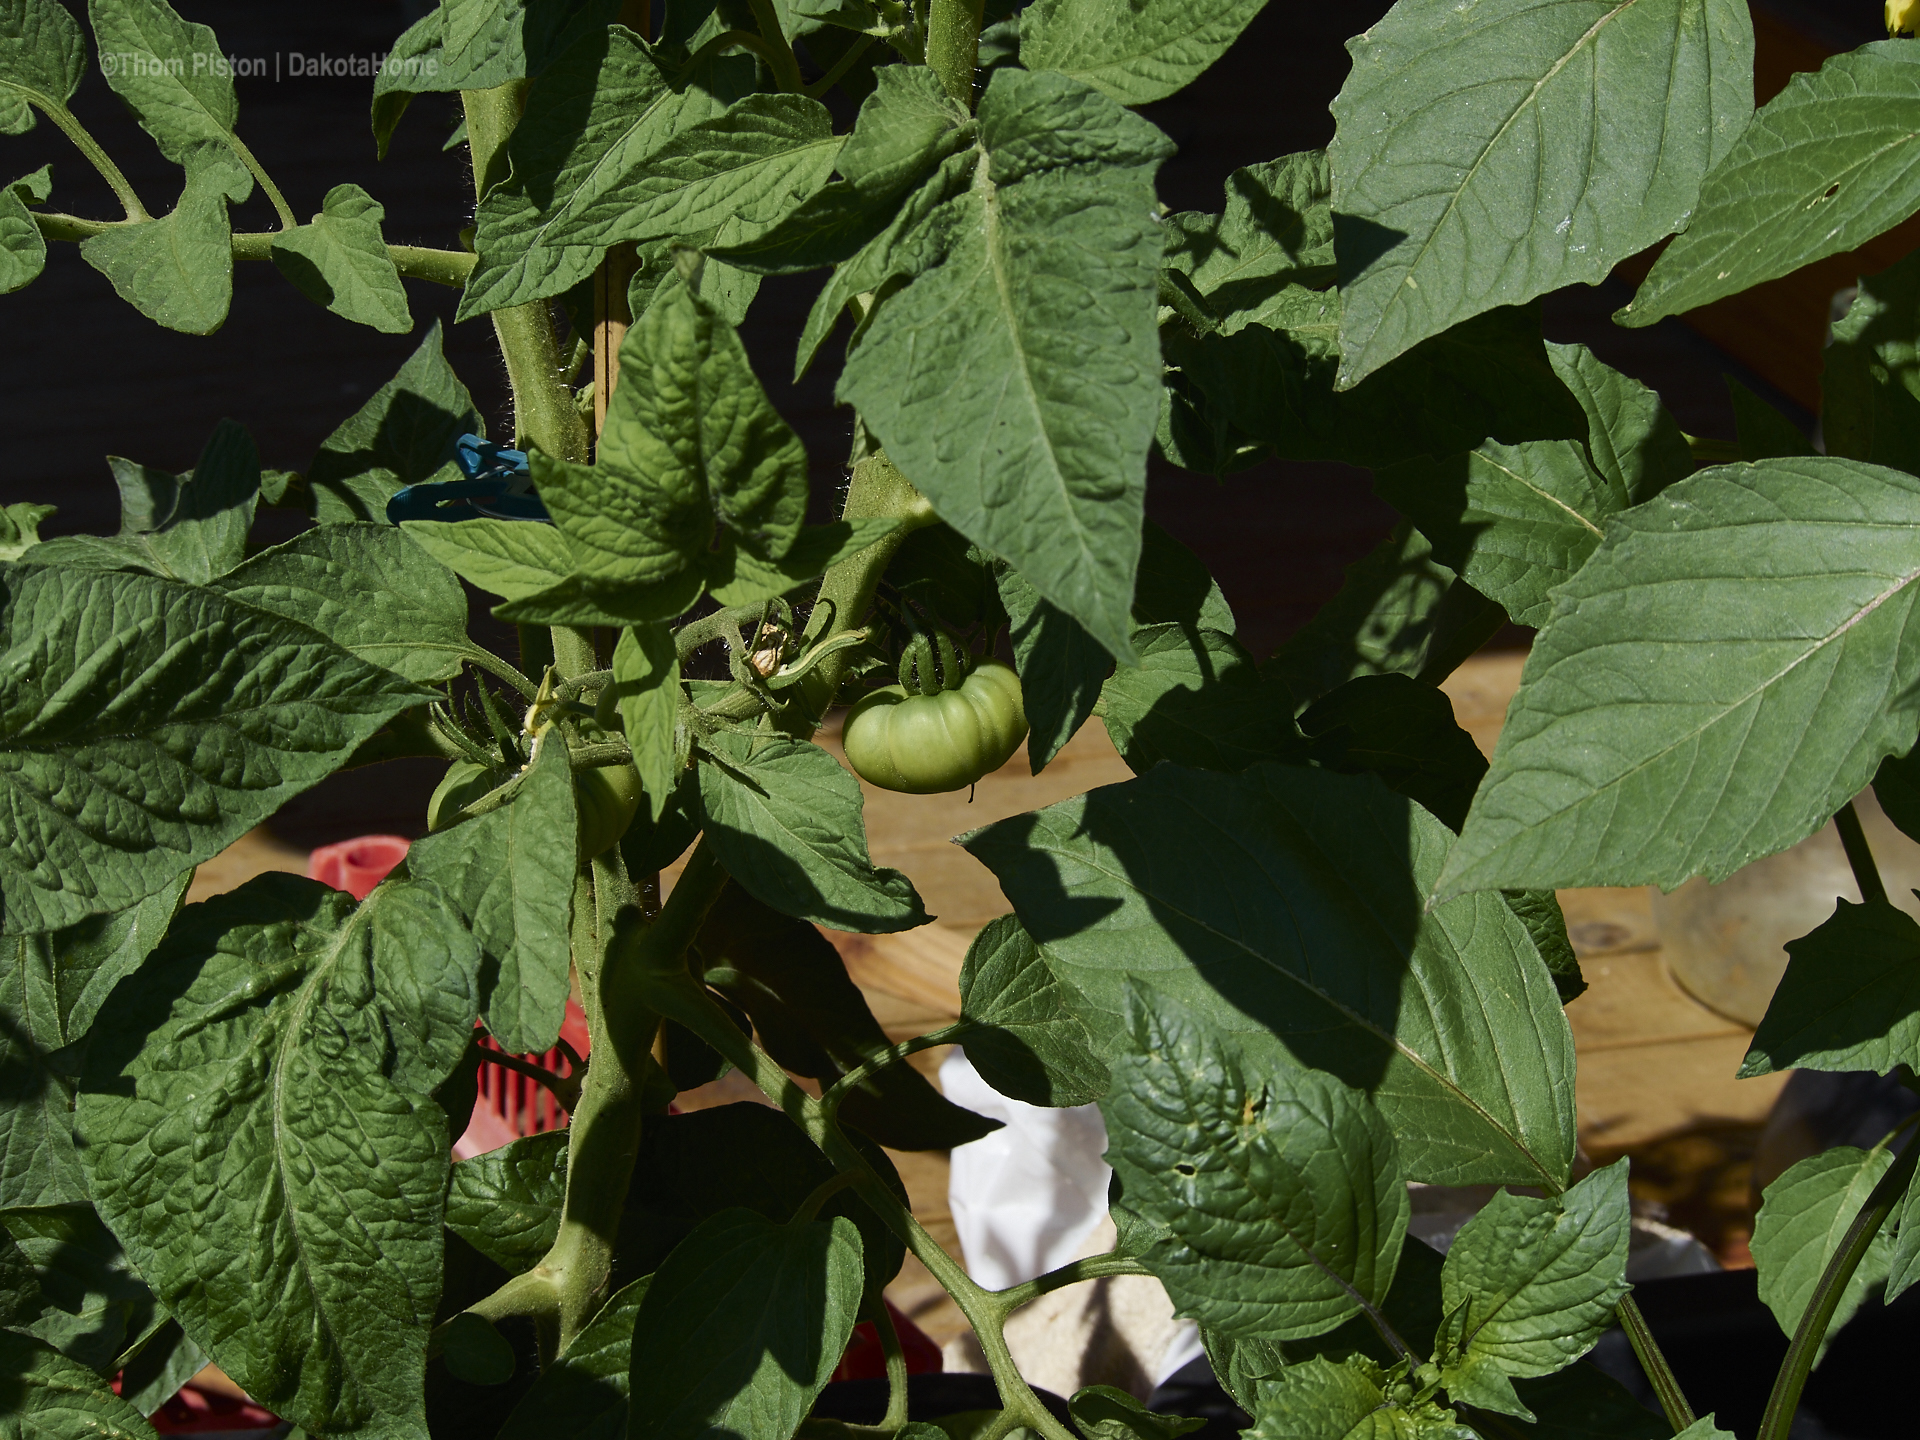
{"x": 82, "y": 375}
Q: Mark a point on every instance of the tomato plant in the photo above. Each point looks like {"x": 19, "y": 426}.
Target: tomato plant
{"x": 1308, "y": 954}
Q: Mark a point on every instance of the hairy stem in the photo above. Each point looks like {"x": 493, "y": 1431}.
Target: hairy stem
{"x": 616, "y": 957}
{"x": 573, "y": 651}
{"x": 1859, "y": 855}
{"x": 897, "y": 1395}
{"x": 953, "y": 46}
{"x": 279, "y": 202}
{"x": 415, "y": 262}
{"x": 857, "y": 1077}
{"x": 544, "y": 414}
{"x": 1777, "y": 1423}
{"x": 1091, "y": 1267}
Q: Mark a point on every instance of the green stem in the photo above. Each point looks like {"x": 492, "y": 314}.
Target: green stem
{"x": 409, "y": 735}
{"x": 810, "y": 1207}
{"x": 279, "y": 201}
{"x": 840, "y": 67}
{"x": 530, "y": 1296}
{"x": 1792, "y": 1379}
{"x": 89, "y": 147}
{"x": 897, "y": 1395}
{"x": 1859, "y": 855}
{"x": 1091, "y": 1267}
{"x": 415, "y": 262}
{"x": 1672, "y": 1400}
{"x": 573, "y": 651}
{"x": 544, "y": 413}
{"x": 857, "y": 1077}
{"x": 615, "y": 962}
{"x": 567, "y": 1092}
{"x": 780, "y": 56}
{"x": 493, "y": 664}
{"x": 953, "y": 46}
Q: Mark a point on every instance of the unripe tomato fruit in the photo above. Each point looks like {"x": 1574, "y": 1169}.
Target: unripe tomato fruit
{"x": 927, "y": 744}
{"x": 607, "y": 796}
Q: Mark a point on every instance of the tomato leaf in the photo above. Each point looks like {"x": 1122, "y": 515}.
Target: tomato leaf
{"x": 582, "y": 1395}
{"x": 50, "y": 990}
{"x": 340, "y": 260}
{"x": 1802, "y": 1221}
{"x": 95, "y": 1305}
{"x": 148, "y": 725}
{"x": 1657, "y": 681}
{"x": 43, "y": 58}
{"x": 23, "y": 249}
{"x": 1279, "y": 1191}
{"x": 510, "y": 873}
{"x": 1050, "y": 475}
{"x": 1849, "y": 999}
{"x": 370, "y": 589}
{"x": 744, "y": 1155}
{"x": 403, "y": 435}
{"x": 1028, "y": 1041}
{"x": 1225, "y": 893}
{"x": 178, "y": 270}
{"x": 270, "y": 1071}
{"x": 190, "y": 527}
{"x": 1515, "y": 521}
{"x": 48, "y": 1394}
{"x": 1196, "y": 698}
{"x": 777, "y": 1303}
{"x": 506, "y": 1203}
{"x": 1134, "y": 53}
{"x": 813, "y": 1019}
{"x": 1789, "y": 192}
{"x": 1457, "y": 130}
{"x": 785, "y": 820}
{"x": 1529, "y": 1286}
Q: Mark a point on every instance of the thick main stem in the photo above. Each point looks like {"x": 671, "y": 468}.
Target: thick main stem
{"x": 953, "y": 46}
{"x": 614, "y": 962}
{"x": 544, "y": 414}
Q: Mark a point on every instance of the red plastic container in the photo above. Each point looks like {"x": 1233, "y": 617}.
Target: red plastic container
{"x": 357, "y": 865}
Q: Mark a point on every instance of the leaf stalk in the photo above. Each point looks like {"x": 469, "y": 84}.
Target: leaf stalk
{"x": 1853, "y": 839}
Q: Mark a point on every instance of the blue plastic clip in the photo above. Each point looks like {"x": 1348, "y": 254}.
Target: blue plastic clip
{"x": 498, "y": 486}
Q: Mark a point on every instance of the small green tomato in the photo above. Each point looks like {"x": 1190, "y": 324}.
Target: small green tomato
{"x": 927, "y": 744}
{"x": 608, "y": 797}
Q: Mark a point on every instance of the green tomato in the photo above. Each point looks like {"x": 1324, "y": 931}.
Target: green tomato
{"x": 926, "y": 744}
{"x": 607, "y": 797}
